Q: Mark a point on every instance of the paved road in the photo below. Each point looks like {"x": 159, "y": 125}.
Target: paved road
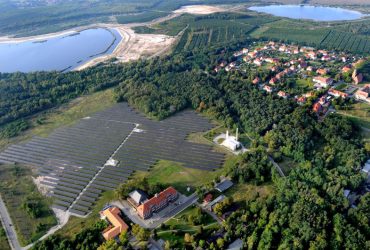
{"x": 212, "y": 214}
{"x": 8, "y": 227}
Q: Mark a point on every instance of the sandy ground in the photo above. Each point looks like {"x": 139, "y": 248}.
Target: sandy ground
{"x": 199, "y": 9}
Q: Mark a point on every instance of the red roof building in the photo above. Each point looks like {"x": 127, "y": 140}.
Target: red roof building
{"x": 112, "y": 214}
{"x": 346, "y": 69}
{"x": 323, "y": 81}
{"x": 337, "y": 93}
{"x": 267, "y": 88}
{"x": 282, "y": 94}
{"x": 357, "y": 77}
{"x": 273, "y": 81}
{"x": 322, "y": 71}
{"x": 256, "y": 80}
{"x": 157, "y": 203}
{"x": 208, "y": 198}
{"x": 317, "y": 108}
{"x": 364, "y": 93}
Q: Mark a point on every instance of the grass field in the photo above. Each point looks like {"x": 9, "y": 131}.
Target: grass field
{"x": 44, "y": 123}
{"x": 180, "y": 223}
{"x": 359, "y": 114}
{"x": 173, "y": 174}
{"x": 244, "y": 192}
{"x": 16, "y": 186}
{"x": 4, "y": 245}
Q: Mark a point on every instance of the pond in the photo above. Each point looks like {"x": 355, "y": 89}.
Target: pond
{"x": 316, "y": 13}
{"x": 60, "y": 53}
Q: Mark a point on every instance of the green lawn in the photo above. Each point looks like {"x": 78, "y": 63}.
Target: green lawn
{"x": 176, "y": 227}
{"x": 174, "y": 174}
{"x": 240, "y": 193}
{"x": 359, "y": 113}
{"x": 16, "y": 185}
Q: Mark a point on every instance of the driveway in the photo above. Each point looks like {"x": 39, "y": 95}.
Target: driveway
{"x": 8, "y": 227}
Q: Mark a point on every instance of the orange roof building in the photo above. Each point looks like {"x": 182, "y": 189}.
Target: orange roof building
{"x": 317, "y": 108}
{"x": 157, "y": 203}
{"x": 112, "y": 214}
{"x": 337, "y": 93}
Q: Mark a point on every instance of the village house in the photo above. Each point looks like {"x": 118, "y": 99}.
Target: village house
{"x": 322, "y": 82}
{"x": 117, "y": 225}
{"x": 252, "y": 54}
{"x": 218, "y": 69}
{"x": 267, "y": 88}
{"x": 283, "y": 94}
{"x": 363, "y": 94}
{"x": 312, "y": 55}
{"x": 337, "y": 93}
{"x": 256, "y": 80}
{"x": 273, "y": 81}
{"x": 157, "y": 202}
{"x": 357, "y": 77}
{"x": 257, "y": 62}
{"x": 322, "y": 100}
{"x": 322, "y": 71}
{"x": 326, "y": 58}
{"x": 301, "y": 100}
{"x": 317, "y": 108}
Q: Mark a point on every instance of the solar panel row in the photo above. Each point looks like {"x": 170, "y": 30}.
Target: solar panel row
{"x": 72, "y": 160}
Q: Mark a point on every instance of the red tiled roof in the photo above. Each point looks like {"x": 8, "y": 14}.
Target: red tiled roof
{"x": 156, "y": 200}
{"x": 118, "y": 225}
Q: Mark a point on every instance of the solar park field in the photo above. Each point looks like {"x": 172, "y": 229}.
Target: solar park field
{"x": 72, "y": 160}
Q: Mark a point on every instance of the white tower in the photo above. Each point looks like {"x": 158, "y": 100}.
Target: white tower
{"x": 227, "y": 134}
{"x": 237, "y": 134}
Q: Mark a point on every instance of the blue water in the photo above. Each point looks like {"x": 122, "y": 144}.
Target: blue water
{"x": 316, "y": 13}
{"x": 61, "y": 53}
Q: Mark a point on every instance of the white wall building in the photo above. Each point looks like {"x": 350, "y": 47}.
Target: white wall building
{"x": 231, "y": 142}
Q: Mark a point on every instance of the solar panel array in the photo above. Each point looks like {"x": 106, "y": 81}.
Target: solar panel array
{"x": 71, "y": 161}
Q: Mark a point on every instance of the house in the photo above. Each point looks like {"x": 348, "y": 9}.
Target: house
{"x": 117, "y": 225}
{"x": 224, "y": 185}
{"x": 257, "y": 62}
{"x": 366, "y": 168}
{"x": 309, "y": 94}
{"x": 317, "y": 108}
{"x": 223, "y": 63}
{"x": 157, "y": 202}
{"x": 357, "y": 77}
{"x": 231, "y": 142}
{"x": 337, "y": 93}
{"x": 245, "y": 50}
{"x": 282, "y": 48}
{"x": 323, "y": 82}
{"x": 236, "y": 245}
{"x": 215, "y": 201}
{"x": 326, "y": 58}
{"x": 280, "y": 75}
{"x": 312, "y": 55}
{"x": 301, "y": 100}
{"x": 322, "y": 71}
{"x": 273, "y": 81}
{"x": 346, "y": 69}
{"x": 267, "y": 88}
{"x": 363, "y": 93}
{"x": 310, "y": 68}
{"x": 272, "y": 60}
{"x": 217, "y": 69}
{"x": 208, "y": 198}
{"x": 256, "y": 80}
{"x": 136, "y": 198}
{"x": 252, "y": 54}
{"x": 283, "y": 94}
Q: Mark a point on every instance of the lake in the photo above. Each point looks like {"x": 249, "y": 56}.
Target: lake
{"x": 316, "y": 13}
{"x": 60, "y": 53}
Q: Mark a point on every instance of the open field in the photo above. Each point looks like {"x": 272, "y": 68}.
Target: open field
{"x": 17, "y": 189}
{"x": 199, "y": 9}
{"x": 173, "y": 174}
{"x": 241, "y": 193}
{"x": 359, "y": 113}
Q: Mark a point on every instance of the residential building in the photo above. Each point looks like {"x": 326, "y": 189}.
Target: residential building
{"x": 157, "y": 202}
{"x": 267, "y": 88}
{"x": 317, "y": 108}
{"x": 357, "y": 77}
{"x": 224, "y": 185}
{"x": 346, "y": 69}
{"x": 322, "y": 71}
{"x": 363, "y": 93}
{"x": 256, "y": 80}
{"x": 323, "y": 82}
{"x": 337, "y": 93}
{"x": 136, "y": 198}
{"x": 282, "y": 94}
{"x": 273, "y": 81}
{"x": 117, "y": 225}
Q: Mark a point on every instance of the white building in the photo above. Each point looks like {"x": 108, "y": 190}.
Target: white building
{"x": 231, "y": 142}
